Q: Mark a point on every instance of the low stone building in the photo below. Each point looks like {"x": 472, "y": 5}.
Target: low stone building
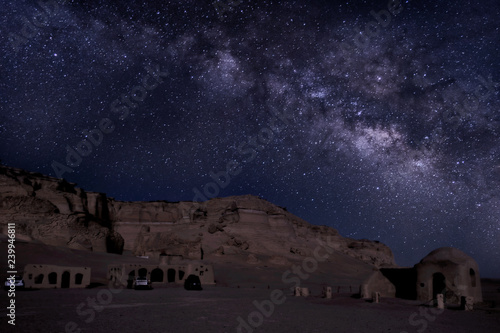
{"x": 162, "y": 273}
{"x": 446, "y": 271}
{"x": 52, "y": 276}
{"x": 377, "y": 282}
{"x": 450, "y": 272}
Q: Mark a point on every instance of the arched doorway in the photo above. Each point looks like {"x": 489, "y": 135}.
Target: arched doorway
{"x": 143, "y": 272}
{"x": 171, "y": 275}
{"x": 438, "y": 284}
{"x": 157, "y": 275}
{"x": 65, "y": 280}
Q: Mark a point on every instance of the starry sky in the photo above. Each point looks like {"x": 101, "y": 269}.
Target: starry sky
{"x": 380, "y": 119}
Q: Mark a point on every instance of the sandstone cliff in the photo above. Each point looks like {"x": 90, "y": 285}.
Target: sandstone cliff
{"x": 241, "y": 225}
{"x": 55, "y": 212}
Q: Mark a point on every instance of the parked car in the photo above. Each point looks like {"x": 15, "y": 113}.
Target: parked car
{"x": 192, "y": 282}
{"x": 18, "y": 283}
{"x": 142, "y": 282}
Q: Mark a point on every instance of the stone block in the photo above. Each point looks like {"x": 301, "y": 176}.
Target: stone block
{"x": 440, "y": 301}
{"x": 327, "y": 292}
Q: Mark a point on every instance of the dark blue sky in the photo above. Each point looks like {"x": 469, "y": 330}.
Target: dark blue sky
{"x": 379, "y": 120}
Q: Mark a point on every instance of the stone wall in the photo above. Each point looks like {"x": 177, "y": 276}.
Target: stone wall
{"x": 52, "y": 276}
{"x": 161, "y": 274}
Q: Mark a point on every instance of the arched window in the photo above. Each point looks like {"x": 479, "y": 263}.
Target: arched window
{"x": 53, "y": 278}
{"x": 39, "y": 279}
{"x": 78, "y": 278}
{"x": 472, "y": 274}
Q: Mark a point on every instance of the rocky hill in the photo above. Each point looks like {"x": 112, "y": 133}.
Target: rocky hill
{"x": 56, "y": 212}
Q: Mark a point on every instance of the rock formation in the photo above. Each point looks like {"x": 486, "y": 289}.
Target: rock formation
{"x": 239, "y": 225}
{"x": 56, "y": 212}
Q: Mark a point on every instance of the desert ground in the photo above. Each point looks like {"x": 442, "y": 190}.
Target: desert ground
{"x": 216, "y": 309}
{"x": 255, "y": 295}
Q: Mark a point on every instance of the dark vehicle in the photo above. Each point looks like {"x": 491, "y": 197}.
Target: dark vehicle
{"x": 192, "y": 282}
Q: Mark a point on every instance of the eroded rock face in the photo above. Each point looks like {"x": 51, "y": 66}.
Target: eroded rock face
{"x": 55, "y": 212}
{"x": 369, "y": 251}
{"x": 240, "y": 225}
{"x": 156, "y": 211}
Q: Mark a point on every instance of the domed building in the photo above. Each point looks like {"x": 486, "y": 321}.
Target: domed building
{"x": 450, "y": 272}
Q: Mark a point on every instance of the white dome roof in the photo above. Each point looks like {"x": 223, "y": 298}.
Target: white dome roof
{"x": 447, "y": 254}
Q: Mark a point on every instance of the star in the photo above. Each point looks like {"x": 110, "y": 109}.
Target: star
{"x": 380, "y": 121}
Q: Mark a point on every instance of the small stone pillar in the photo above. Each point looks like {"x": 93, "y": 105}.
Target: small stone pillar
{"x": 440, "y": 301}
{"x": 327, "y": 292}
{"x": 467, "y": 303}
{"x": 297, "y": 291}
{"x": 305, "y": 292}
{"x": 376, "y": 297}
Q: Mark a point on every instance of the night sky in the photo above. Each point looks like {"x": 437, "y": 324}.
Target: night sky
{"x": 380, "y": 120}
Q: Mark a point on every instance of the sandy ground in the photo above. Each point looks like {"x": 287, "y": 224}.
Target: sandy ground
{"x": 224, "y": 307}
{"x": 216, "y": 309}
